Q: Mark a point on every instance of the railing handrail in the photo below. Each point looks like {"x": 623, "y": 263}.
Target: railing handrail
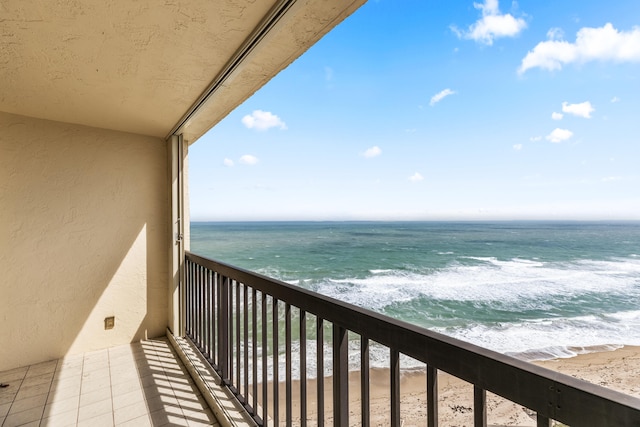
{"x": 551, "y": 394}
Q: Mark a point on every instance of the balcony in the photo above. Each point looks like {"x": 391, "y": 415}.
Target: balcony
{"x": 244, "y": 330}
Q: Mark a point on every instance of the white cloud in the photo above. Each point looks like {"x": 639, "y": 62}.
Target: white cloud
{"x": 492, "y": 25}
{"x": 557, "y": 116}
{"x": 228, "y": 162}
{"x": 615, "y": 99}
{"x": 584, "y": 109}
{"x": 416, "y": 177}
{"x": 612, "y": 178}
{"x": 248, "y": 159}
{"x": 263, "y": 120}
{"x": 559, "y": 135}
{"x": 517, "y": 147}
{"x": 440, "y": 96}
{"x": 374, "y": 151}
{"x": 592, "y": 44}
{"x": 535, "y": 138}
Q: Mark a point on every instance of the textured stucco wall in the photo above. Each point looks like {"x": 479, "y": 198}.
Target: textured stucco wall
{"x": 84, "y": 222}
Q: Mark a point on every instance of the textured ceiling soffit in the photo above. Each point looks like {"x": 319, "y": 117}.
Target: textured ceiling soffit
{"x": 133, "y": 66}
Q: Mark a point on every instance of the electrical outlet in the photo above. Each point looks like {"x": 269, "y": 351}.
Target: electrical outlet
{"x": 109, "y": 322}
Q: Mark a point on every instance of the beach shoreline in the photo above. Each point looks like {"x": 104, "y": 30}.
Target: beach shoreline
{"x": 617, "y": 369}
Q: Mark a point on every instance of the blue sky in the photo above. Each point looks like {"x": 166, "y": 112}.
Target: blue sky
{"x": 440, "y": 110}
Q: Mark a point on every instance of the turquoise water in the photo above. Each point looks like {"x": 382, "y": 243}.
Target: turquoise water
{"x": 532, "y": 289}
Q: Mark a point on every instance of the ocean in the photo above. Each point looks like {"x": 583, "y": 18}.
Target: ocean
{"x": 534, "y": 290}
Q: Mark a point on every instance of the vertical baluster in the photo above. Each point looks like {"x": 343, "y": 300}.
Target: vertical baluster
{"x": 365, "y": 388}
{"x": 479, "y": 407}
{"x": 265, "y": 360}
{"x": 212, "y": 310}
{"x": 432, "y": 396}
{"x": 340, "y": 376}
{"x": 395, "y": 388}
{"x": 192, "y": 287}
{"x": 254, "y": 347}
{"x": 201, "y": 313}
{"x": 194, "y": 304}
{"x": 303, "y": 368}
{"x": 203, "y": 276}
{"x": 187, "y": 288}
{"x": 199, "y": 306}
{"x": 210, "y": 314}
{"x": 218, "y": 328}
{"x": 196, "y": 307}
{"x": 245, "y": 312}
{"x": 223, "y": 336}
{"x": 320, "y": 366}
{"x": 231, "y": 329}
{"x": 287, "y": 340}
{"x": 238, "y": 334}
{"x": 276, "y": 377}
{"x": 205, "y": 312}
{"x": 189, "y": 291}
{"x": 201, "y": 309}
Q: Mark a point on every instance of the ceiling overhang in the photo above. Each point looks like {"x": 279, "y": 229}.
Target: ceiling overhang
{"x": 148, "y": 67}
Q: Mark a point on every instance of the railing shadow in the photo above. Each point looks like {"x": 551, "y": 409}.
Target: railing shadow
{"x": 169, "y": 392}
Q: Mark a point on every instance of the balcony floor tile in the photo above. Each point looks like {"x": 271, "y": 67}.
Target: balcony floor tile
{"x": 142, "y": 384}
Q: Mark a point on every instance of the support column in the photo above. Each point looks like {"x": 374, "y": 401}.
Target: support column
{"x": 177, "y": 154}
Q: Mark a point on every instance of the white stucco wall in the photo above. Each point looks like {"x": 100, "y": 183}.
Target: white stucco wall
{"x": 84, "y": 220}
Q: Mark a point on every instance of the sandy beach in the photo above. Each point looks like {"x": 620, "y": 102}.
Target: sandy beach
{"x": 618, "y": 370}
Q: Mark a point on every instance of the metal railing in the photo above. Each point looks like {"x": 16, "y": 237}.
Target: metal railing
{"x": 237, "y": 319}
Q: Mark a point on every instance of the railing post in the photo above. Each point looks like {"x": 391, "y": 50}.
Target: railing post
{"x": 395, "y": 387}
{"x": 254, "y": 347}
{"x": 320, "y": 369}
{"x": 365, "y": 387}
{"x": 303, "y": 368}
{"x": 276, "y": 374}
{"x": 479, "y": 407}
{"x": 340, "y": 376}
{"x": 542, "y": 421}
{"x": 288, "y": 365}
{"x": 265, "y": 360}
{"x": 432, "y": 397}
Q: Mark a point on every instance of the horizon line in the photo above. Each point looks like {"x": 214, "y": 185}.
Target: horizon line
{"x": 420, "y": 220}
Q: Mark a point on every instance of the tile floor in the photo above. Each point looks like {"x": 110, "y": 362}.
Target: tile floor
{"x": 143, "y": 384}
